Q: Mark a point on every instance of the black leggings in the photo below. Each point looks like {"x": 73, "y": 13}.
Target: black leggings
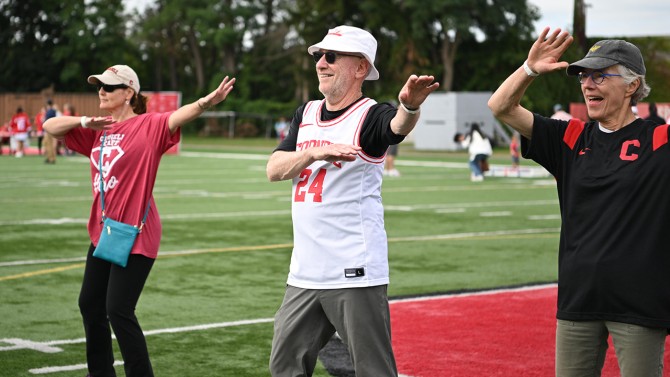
{"x": 109, "y": 294}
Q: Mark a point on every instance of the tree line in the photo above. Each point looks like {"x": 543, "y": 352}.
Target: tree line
{"x": 189, "y": 45}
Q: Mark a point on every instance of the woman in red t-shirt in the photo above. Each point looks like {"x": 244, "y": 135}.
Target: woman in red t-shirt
{"x": 134, "y": 144}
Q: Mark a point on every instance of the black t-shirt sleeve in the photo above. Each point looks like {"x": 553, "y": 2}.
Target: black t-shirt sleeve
{"x": 546, "y": 145}
{"x": 376, "y": 134}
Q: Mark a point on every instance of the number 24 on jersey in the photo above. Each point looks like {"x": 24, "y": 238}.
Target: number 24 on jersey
{"x": 304, "y": 187}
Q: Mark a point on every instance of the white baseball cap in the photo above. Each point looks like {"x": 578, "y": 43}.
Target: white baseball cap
{"x": 117, "y": 75}
{"x": 350, "y": 39}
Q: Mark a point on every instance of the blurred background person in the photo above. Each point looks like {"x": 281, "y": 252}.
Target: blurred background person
{"x": 653, "y": 114}
{"x": 389, "y": 164}
{"x": 50, "y": 141}
{"x": 560, "y": 114}
{"x": 479, "y": 151}
{"x": 20, "y": 128}
{"x": 514, "y": 150}
{"x": 281, "y": 128}
{"x": 5, "y": 135}
{"x": 38, "y": 130}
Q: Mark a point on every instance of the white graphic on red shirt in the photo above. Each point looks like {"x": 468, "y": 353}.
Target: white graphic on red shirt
{"x": 110, "y": 156}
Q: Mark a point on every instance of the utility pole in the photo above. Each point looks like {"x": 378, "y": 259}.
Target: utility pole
{"x": 579, "y": 25}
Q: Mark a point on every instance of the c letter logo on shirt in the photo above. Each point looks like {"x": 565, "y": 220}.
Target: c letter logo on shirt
{"x": 625, "y": 149}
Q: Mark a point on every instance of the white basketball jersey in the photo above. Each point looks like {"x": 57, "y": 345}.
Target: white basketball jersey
{"x": 338, "y": 218}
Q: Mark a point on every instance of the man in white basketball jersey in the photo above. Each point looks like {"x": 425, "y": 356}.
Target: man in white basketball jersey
{"x": 334, "y": 153}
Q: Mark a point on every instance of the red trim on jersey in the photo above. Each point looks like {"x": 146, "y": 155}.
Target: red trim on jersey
{"x": 575, "y": 128}
{"x": 357, "y": 141}
{"x": 339, "y": 119}
{"x": 304, "y": 111}
{"x": 366, "y": 158}
{"x": 660, "y": 136}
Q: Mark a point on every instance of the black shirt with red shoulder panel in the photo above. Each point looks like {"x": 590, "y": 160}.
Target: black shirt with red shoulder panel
{"x": 614, "y": 196}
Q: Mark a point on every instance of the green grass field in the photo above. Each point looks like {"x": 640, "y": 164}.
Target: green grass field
{"x": 226, "y": 248}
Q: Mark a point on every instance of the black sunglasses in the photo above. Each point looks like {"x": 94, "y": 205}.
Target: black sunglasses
{"x": 331, "y": 56}
{"x": 110, "y": 88}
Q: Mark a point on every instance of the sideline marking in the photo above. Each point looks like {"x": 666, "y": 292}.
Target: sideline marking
{"x": 67, "y": 368}
{"x": 51, "y": 345}
{"x": 477, "y": 293}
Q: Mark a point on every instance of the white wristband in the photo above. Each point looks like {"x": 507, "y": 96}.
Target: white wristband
{"x": 408, "y": 111}
{"x": 83, "y": 122}
{"x": 529, "y": 71}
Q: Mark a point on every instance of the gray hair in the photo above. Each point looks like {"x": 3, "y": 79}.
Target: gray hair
{"x": 628, "y": 77}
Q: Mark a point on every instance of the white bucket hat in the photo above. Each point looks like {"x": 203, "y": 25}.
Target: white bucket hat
{"x": 117, "y": 75}
{"x": 350, "y": 39}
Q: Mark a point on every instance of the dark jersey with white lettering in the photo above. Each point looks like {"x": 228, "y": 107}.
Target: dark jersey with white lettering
{"x": 614, "y": 195}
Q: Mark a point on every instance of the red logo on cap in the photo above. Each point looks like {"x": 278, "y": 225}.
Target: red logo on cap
{"x": 113, "y": 70}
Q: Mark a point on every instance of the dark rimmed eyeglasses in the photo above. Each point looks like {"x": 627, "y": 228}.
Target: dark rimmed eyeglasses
{"x": 110, "y": 88}
{"x": 331, "y": 56}
{"x": 597, "y": 77}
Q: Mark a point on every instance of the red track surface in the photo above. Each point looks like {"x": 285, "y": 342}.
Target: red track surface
{"x": 509, "y": 333}
{"x": 29, "y": 150}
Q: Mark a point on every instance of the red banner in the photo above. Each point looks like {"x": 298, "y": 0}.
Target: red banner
{"x": 162, "y": 102}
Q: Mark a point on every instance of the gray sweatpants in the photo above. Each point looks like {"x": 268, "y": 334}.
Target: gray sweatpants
{"x": 308, "y": 318}
{"x": 581, "y": 348}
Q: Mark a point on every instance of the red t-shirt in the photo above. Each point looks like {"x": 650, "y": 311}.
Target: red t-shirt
{"x": 20, "y": 123}
{"x": 39, "y": 121}
{"x": 131, "y": 155}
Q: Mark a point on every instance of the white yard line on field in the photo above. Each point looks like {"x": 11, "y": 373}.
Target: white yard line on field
{"x": 228, "y": 156}
{"x": 496, "y": 214}
{"x": 66, "y": 368}
{"x": 219, "y": 215}
{"x": 435, "y": 237}
{"x": 51, "y": 346}
{"x": 183, "y": 216}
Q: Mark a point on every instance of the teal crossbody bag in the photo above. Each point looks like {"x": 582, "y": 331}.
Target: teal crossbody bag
{"x": 117, "y": 238}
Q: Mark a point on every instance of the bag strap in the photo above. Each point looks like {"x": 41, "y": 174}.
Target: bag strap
{"x": 102, "y": 191}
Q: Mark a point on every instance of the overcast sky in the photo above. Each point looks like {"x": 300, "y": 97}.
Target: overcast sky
{"x": 609, "y": 18}
{"x": 604, "y": 18}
